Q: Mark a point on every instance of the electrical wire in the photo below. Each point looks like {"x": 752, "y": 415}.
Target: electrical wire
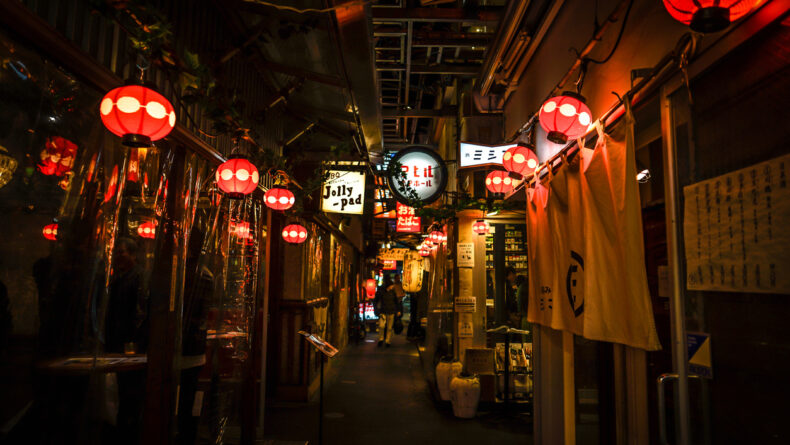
{"x": 619, "y": 37}
{"x": 305, "y": 11}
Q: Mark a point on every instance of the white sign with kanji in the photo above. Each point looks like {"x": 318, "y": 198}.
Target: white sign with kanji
{"x": 475, "y": 155}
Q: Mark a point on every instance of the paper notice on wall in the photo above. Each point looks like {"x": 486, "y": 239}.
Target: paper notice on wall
{"x": 466, "y": 255}
{"x": 735, "y": 230}
{"x": 465, "y": 281}
{"x": 466, "y": 327}
{"x": 465, "y": 304}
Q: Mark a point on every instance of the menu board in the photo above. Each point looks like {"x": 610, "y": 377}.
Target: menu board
{"x": 735, "y": 230}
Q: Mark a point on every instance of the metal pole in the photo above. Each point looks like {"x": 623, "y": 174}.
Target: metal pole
{"x": 676, "y": 302}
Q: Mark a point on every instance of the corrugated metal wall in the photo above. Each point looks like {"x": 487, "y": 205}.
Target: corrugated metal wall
{"x": 198, "y": 28}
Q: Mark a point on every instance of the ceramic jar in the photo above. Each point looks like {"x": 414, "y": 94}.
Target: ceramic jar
{"x": 446, "y": 370}
{"x": 465, "y": 394}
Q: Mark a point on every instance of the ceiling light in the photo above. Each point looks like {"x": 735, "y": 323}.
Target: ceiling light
{"x": 643, "y": 176}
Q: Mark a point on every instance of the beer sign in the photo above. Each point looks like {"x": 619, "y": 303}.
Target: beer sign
{"x": 343, "y": 192}
{"x": 417, "y": 173}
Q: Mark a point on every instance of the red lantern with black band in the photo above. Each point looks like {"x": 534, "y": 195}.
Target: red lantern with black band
{"x": 147, "y": 230}
{"x": 425, "y": 251}
{"x": 278, "y": 198}
{"x": 370, "y": 287}
{"x": 499, "y": 181}
{"x": 480, "y": 227}
{"x": 520, "y": 161}
{"x": 294, "y": 234}
{"x": 137, "y": 114}
{"x": 708, "y": 15}
{"x": 237, "y": 177}
{"x": 565, "y": 117}
{"x": 436, "y": 237}
{"x": 51, "y": 232}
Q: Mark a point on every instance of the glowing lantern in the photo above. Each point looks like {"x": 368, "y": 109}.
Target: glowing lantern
{"x": 520, "y": 160}
{"x": 499, "y": 181}
{"x": 147, "y": 230}
{"x": 237, "y": 177}
{"x": 436, "y": 237}
{"x": 480, "y": 227}
{"x": 370, "y": 287}
{"x": 51, "y": 232}
{"x": 708, "y": 15}
{"x": 425, "y": 251}
{"x": 294, "y": 233}
{"x": 138, "y": 114}
{"x": 57, "y": 157}
{"x": 565, "y": 117}
{"x": 241, "y": 230}
{"x": 278, "y": 198}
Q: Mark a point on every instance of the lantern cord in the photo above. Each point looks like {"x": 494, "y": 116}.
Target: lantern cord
{"x": 308, "y": 10}
{"x": 616, "y": 42}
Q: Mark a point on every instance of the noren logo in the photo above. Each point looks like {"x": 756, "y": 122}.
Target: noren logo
{"x": 572, "y": 283}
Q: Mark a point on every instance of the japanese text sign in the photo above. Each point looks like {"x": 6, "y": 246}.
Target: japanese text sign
{"x": 407, "y": 222}
{"x": 417, "y": 173}
{"x": 475, "y": 155}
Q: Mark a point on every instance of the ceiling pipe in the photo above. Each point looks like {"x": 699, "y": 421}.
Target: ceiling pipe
{"x": 506, "y": 30}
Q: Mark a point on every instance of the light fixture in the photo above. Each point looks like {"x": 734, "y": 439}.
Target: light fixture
{"x": 237, "y": 177}
{"x": 147, "y": 230}
{"x": 279, "y": 198}
{"x": 499, "y": 181}
{"x": 565, "y": 117}
{"x": 708, "y": 15}
{"x": 51, "y": 231}
{"x": 436, "y": 237}
{"x": 137, "y": 114}
{"x": 493, "y": 213}
{"x": 370, "y": 287}
{"x": 480, "y": 227}
{"x": 643, "y": 176}
{"x": 520, "y": 161}
{"x": 294, "y": 233}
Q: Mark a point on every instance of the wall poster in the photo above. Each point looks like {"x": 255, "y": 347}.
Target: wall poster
{"x": 735, "y": 230}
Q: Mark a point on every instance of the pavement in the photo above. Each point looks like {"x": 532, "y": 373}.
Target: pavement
{"x": 380, "y": 396}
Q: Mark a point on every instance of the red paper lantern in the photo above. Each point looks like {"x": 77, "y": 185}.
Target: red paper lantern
{"x": 241, "y": 230}
{"x": 57, "y": 157}
{"x": 708, "y": 15}
{"x": 425, "y": 251}
{"x": 370, "y": 287}
{"x": 436, "y": 237}
{"x": 138, "y": 114}
{"x": 499, "y": 181}
{"x": 565, "y": 117}
{"x": 480, "y": 227}
{"x": 147, "y": 230}
{"x": 294, "y": 233}
{"x": 237, "y": 177}
{"x": 51, "y": 232}
{"x": 278, "y": 198}
{"x": 520, "y": 160}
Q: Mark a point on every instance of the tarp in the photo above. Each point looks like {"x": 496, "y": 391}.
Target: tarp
{"x": 586, "y": 255}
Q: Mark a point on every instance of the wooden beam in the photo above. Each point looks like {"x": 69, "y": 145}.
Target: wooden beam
{"x": 434, "y": 15}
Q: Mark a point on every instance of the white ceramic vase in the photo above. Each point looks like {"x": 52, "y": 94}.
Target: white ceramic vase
{"x": 445, "y": 372}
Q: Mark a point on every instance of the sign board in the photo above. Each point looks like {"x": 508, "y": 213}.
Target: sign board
{"x": 465, "y": 304}
{"x": 466, "y": 255}
{"x": 417, "y": 171}
{"x": 343, "y": 192}
{"x": 389, "y": 265}
{"x": 476, "y": 155}
{"x": 391, "y": 254}
{"x": 412, "y": 272}
{"x": 699, "y": 354}
{"x": 479, "y": 360}
{"x": 380, "y": 212}
{"x": 735, "y": 230}
{"x": 320, "y": 344}
{"x": 407, "y": 222}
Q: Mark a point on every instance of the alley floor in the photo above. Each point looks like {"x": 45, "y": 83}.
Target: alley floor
{"x": 380, "y": 396}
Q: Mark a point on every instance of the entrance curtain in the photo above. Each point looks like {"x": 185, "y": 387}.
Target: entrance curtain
{"x": 586, "y": 256}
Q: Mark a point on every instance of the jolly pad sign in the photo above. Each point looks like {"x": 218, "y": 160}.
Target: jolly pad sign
{"x": 343, "y": 192}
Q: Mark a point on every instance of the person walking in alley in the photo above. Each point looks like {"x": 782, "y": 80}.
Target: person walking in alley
{"x": 387, "y": 305}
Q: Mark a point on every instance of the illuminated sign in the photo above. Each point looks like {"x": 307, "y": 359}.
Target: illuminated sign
{"x": 380, "y": 212}
{"x": 407, "y": 222}
{"x": 422, "y": 175}
{"x": 476, "y": 155}
{"x": 389, "y": 265}
{"x": 343, "y": 192}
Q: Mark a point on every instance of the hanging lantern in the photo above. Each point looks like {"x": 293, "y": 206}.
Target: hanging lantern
{"x": 237, "y": 177}
{"x": 708, "y": 15}
{"x": 425, "y": 251}
{"x": 57, "y": 157}
{"x": 480, "y": 227}
{"x": 520, "y": 160}
{"x": 138, "y": 114}
{"x": 278, "y": 198}
{"x": 147, "y": 230}
{"x": 51, "y": 232}
{"x": 565, "y": 117}
{"x": 436, "y": 237}
{"x": 241, "y": 230}
{"x": 499, "y": 181}
{"x": 294, "y": 234}
{"x": 370, "y": 287}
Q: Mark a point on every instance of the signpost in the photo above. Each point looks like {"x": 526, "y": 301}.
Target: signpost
{"x": 329, "y": 351}
{"x": 417, "y": 172}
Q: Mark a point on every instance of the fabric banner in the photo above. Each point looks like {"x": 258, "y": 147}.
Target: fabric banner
{"x": 735, "y": 230}
{"x": 587, "y": 268}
